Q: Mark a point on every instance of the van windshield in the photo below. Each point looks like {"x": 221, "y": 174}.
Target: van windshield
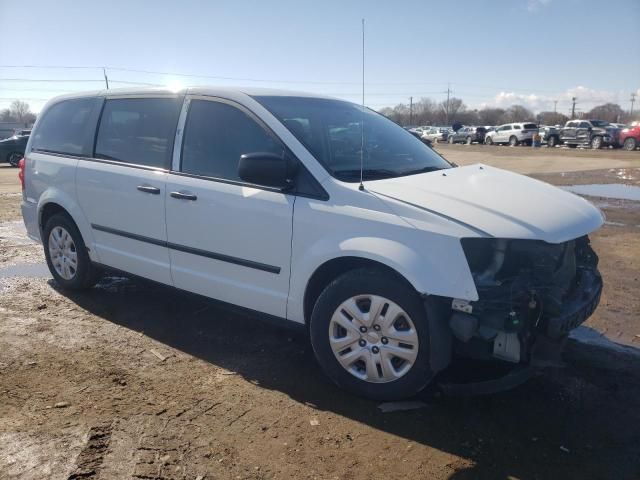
{"x": 332, "y": 131}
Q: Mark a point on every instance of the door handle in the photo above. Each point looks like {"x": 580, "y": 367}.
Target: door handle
{"x": 149, "y": 189}
{"x": 184, "y": 196}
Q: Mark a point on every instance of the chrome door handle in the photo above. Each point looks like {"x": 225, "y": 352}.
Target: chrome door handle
{"x": 149, "y": 189}
{"x": 184, "y": 196}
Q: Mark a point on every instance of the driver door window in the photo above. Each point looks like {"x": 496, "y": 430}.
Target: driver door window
{"x": 216, "y": 135}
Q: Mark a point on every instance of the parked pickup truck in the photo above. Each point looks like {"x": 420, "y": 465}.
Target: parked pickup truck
{"x": 589, "y": 133}
{"x": 549, "y": 135}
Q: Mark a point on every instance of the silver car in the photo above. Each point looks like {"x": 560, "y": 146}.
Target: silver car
{"x": 436, "y": 134}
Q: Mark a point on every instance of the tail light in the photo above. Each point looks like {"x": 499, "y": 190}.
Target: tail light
{"x": 21, "y": 172}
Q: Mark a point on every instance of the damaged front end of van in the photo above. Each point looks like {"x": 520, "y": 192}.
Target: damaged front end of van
{"x": 531, "y": 295}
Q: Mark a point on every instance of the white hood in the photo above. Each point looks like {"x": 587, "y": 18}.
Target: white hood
{"x": 495, "y": 203}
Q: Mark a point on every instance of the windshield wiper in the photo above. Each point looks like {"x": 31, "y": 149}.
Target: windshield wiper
{"x": 421, "y": 170}
{"x": 367, "y": 173}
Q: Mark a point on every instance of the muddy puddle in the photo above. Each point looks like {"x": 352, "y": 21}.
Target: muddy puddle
{"x": 25, "y": 270}
{"x": 618, "y": 191}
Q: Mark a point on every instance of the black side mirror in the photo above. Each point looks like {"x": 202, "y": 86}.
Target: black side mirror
{"x": 266, "y": 169}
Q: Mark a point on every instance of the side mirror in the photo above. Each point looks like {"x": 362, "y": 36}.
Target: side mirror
{"x": 265, "y": 169}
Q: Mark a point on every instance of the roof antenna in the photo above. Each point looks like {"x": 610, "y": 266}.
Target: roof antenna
{"x": 361, "y": 187}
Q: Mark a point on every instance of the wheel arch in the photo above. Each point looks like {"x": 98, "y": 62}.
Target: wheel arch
{"x": 55, "y": 201}
{"x": 332, "y": 269}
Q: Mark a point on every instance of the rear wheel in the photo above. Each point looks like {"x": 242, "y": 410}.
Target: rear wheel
{"x": 66, "y": 254}
{"x": 369, "y": 333}
{"x": 513, "y": 141}
{"x": 596, "y": 142}
{"x": 488, "y": 141}
{"x": 13, "y": 158}
{"x": 552, "y": 142}
{"x": 630, "y": 144}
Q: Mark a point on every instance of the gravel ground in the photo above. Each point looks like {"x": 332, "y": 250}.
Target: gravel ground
{"x": 136, "y": 380}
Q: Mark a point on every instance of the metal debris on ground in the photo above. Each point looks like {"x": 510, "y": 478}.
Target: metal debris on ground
{"x": 161, "y": 357}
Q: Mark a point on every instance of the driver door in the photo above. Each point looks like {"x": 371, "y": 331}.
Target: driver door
{"x": 228, "y": 239}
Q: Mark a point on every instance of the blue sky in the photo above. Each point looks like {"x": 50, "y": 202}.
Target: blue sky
{"x": 496, "y": 52}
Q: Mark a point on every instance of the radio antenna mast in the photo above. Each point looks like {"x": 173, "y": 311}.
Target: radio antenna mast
{"x": 361, "y": 187}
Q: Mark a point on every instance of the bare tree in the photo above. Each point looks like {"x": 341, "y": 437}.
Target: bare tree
{"x": 552, "y": 118}
{"x": 609, "y": 112}
{"x": 490, "y": 116}
{"x": 19, "y": 110}
{"x": 517, "y": 113}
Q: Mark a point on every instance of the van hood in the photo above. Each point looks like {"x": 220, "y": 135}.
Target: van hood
{"x": 493, "y": 202}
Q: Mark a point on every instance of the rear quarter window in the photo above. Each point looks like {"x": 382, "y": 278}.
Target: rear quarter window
{"x": 66, "y": 127}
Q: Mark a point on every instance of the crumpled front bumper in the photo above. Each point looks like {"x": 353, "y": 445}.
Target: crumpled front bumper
{"x": 578, "y": 306}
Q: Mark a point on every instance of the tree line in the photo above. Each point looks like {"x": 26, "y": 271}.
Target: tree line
{"x": 18, "y": 112}
{"x": 426, "y": 112}
{"x": 446, "y": 113}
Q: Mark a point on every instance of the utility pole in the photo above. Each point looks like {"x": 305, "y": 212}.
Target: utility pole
{"x": 410, "y": 110}
{"x": 555, "y": 106}
{"x": 633, "y": 100}
{"x": 447, "y": 109}
{"x": 573, "y": 108}
{"x": 106, "y": 80}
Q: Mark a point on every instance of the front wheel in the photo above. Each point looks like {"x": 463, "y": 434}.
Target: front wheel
{"x": 14, "y": 158}
{"x": 488, "y": 141}
{"x": 369, "y": 333}
{"x": 630, "y": 144}
{"x": 468, "y": 141}
{"x": 596, "y": 143}
{"x": 66, "y": 254}
{"x": 513, "y": 141}
{"x": 552, "y": 142}
{"x": 450, "y": 140}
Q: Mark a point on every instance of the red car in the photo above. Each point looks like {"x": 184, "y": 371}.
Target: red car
{"x": 630, "y": 137}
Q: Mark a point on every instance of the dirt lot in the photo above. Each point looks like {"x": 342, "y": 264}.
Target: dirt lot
{"x": 133, "y": 380}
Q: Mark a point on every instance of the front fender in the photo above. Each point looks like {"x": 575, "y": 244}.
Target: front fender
{"x": 435, "y": 265}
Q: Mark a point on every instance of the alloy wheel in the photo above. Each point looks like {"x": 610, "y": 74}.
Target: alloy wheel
{"x": 14, "y": 158}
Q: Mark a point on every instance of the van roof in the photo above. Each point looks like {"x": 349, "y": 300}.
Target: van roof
{"x": 198, "y": 90}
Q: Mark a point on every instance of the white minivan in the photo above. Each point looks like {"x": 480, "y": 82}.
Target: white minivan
{"x": 315, "y": 211}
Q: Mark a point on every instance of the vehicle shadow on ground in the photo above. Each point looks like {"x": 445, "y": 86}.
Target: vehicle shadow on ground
{"x": 576, "y": 422}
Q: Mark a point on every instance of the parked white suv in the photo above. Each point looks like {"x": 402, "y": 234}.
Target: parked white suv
{"x": 512, "y": 133}
{"x": 254, "y": 198}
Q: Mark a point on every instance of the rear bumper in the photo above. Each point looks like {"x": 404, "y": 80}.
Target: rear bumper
{"x": 30, "y": 217}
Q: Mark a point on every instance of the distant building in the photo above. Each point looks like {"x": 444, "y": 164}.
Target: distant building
{"x": 8, "y": 129}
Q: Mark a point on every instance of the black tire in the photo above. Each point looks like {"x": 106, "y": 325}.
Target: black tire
{"x": 468, "y": 141}
{"x": 375, "y": 282}
{"x": 572, "y": 145}
{"x": 630, "y": 144}
{"x": 488, "y": 141}
{"x": 86, "y": 275}
{"x": 13, "y": 158}
{"x": 450, "y": 140}
{"x": 552, "y": 142}
{"x": 513, "y": 141}
{"x": 596, "y": 142}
